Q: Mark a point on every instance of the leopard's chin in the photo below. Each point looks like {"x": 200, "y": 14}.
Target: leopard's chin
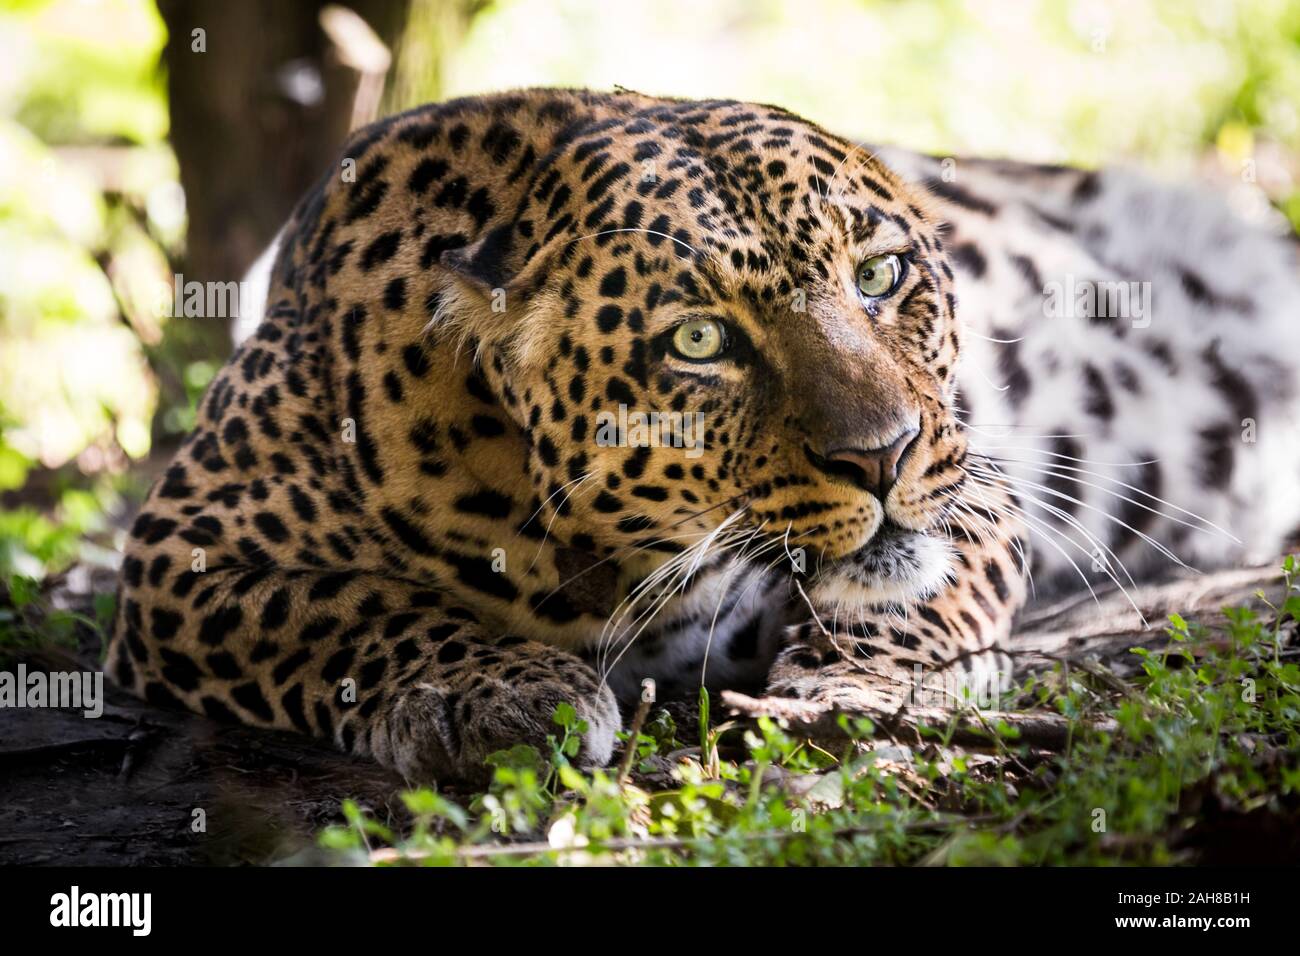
{"x": 897, "y": 566}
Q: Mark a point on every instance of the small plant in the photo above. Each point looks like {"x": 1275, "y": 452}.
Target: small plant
{"x": 28, "y": 620}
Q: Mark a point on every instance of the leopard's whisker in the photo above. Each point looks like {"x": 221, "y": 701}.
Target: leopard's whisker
{"x": 742, "y": 562}
{"x": 988, "y": 338}
{"x": 648, "y": 232}
{"x": 999, "y": 431}
{"x": 670, "y": 569}
{"x": 628, "y": 550}
{"x": 857, "y": 148}
{"x": 777, "y": 560}
{"x": 1045, "y": 468}
{"x": 675, "y": 568}
{"x": 984, "y": 526}
{"x": 983, "y": 451}
{"x": 575, "y": 484}
{"x": 1046, "y": 532}
{"x": 1038, "y": 524}
{"x": 1205, "y": 526}
{"x": 682, "y": 576}
{"x": 1073, "y": 522}
{"x": 1114, "y": 519}
{"x": 985, "y": 523}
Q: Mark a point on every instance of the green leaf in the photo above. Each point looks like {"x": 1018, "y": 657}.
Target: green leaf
{"x": 23, "y": 591}
{"x": 565, "y": 716}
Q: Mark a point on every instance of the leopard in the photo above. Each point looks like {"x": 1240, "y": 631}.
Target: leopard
{"x": 555, "y": 392}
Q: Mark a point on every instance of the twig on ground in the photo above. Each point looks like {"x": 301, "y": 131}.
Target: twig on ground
{"x": 638, "y": 721}
{"x": 1038, "y": 729}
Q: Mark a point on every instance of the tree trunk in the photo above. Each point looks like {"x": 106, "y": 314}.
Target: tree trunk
{"x": 259, "y": 102}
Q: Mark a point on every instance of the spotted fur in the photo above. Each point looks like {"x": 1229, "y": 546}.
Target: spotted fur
{"x": 394, "y": 527}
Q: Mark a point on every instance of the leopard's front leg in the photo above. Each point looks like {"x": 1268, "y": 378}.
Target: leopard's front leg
{"x": 935, "y": 652}
{"x": 381, "y": 667}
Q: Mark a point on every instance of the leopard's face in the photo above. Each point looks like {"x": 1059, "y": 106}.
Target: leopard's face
{"x": 762, "y": 336}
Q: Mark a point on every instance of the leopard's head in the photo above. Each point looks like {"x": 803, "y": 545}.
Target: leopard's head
{"x": 718, "y": 315}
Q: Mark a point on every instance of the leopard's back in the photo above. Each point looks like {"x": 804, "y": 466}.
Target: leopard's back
{"x": 1134, "y": 364}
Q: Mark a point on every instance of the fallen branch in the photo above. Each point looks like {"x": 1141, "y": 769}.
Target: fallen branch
{"x": 1043, "y": 730}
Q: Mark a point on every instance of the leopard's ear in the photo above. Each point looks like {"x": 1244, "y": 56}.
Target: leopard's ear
{"x": 496, "y": 262}
{"x": 498, "y": 293}
{"x": 484, "y": 265}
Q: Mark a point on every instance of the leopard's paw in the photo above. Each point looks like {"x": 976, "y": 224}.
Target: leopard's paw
{"x": 825, "y": 678}
{"x": 435, "y": 732}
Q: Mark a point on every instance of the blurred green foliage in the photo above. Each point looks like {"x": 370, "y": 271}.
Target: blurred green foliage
{"x": 92, "y": 215}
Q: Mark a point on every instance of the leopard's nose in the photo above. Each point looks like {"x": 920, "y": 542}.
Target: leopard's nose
{"x": 871, "y": 469}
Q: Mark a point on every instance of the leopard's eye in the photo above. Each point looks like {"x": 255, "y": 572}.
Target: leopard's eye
{"x": 699, "y": 340}
{"x": 880, "y": 275}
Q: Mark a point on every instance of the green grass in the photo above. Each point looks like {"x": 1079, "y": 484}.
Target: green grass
{"x": 1206, "y": 735}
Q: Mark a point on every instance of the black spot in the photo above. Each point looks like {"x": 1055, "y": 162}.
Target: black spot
{"x": 216, "y": 710}
{"x": 329, "y": 585}
{"x": 480, "y": 207}
{"x": 179, "y": 671}
{"x": 969, "y": 259}
{"x": 994, "y": 575}
{"x": 249, "y": 696}
{"x": 1096, "y": 394}
{"x": 133, "y": 571}
{"x": 550, "y": 455}
{"x": 407, "y": 533}
{"x": 499, "y": 141}
{"x": 381, "y": 249}
{"x": 744, "y": 643}
{"x": 614, "y": 284}
{"x": 958, "y": 196}
{"x": 219, "y": 623}
{"x": 490, "y": 504}
{"x": 157, "y": 529}
{"x": 487, "y": 426}
{"x": 398, "y": 623}
{"x": 224, "y": 666}
{"x": 372, "y": 672}
{"x": 1217, "y": 454}
{"x": 158, "y": 569}
{"x": 1087, "y": 188}
{"x": 303, "y": 506}
{"x": 450, "y": 652}
{"x": 271, "y": 526}
{"x": 1025, "y": 266}
{"x": 428, "y": 172}
{"x": 479, "y": 574}
{"x": 164, "y": 623}
{"x": 395, "y": 295}
{"x": 336, "y": 668}
{"x": 286, "y": 668}
{"x": 609, "y": 318}
{"x": 416, "y": 360}
{"x": 276, "y": 610}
